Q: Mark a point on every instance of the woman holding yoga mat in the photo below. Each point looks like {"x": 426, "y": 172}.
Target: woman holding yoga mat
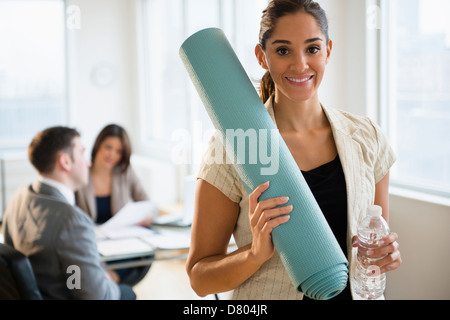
{"x": 345, "y": 160}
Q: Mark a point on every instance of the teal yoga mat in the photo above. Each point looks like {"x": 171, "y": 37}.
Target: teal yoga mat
{"x": 306, "y": 245}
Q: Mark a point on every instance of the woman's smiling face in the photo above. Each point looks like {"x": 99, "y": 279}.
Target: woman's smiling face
{"x": 296, "y": 55}
{"x": 109, "y": 153}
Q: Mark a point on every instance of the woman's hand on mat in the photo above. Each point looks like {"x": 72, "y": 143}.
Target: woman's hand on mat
{"x": 264, "y": 217}
{"x": 389, "y": 248}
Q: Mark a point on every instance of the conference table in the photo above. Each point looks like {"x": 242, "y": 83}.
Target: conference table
{"x": 139, "y": 246}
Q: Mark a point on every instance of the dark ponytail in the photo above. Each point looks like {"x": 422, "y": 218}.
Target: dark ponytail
{"x": 275, "y": 10}
{"x": 266, "y": 87}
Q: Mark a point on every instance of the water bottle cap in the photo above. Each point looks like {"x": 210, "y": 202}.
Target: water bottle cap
{"x": 374, "y": 211}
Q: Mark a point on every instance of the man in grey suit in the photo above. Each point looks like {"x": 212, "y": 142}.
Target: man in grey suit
{"x": 42, "y": 222}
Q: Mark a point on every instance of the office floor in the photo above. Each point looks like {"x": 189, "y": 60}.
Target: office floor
{"x": 168, "y": 280}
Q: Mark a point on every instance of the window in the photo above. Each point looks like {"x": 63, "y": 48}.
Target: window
{"x": 415, "y": 84}
{"x": 173, "y": 113}
{"x": 32, "y": 69}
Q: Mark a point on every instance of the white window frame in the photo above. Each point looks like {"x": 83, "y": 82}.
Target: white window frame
{"x": 383, "y": 53}
{"x": 163, "y": 150}
{"x": 7, "y": 145}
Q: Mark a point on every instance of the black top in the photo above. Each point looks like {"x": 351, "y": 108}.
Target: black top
{"x": 327, "y": 184}
{"x": 103, "y": 209}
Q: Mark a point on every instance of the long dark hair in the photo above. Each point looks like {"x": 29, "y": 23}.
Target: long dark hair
{"x": 114, "y": 130}
{"x": 275, "y": 10}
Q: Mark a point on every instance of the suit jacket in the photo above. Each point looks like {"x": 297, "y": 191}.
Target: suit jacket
{"x": 60, "y": 242}
{"x": 125, "y": 188}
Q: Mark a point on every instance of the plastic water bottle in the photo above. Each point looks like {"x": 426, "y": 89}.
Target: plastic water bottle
{"x": 368, "y": 283}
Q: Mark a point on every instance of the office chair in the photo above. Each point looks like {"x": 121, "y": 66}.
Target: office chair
{"x": 17, "y": 280}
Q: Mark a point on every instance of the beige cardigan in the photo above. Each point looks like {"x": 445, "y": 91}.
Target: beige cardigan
{"x": 365, "y": 157}
{"x": 125, "y": 188}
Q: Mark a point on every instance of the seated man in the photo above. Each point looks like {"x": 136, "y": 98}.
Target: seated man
{"x": 43, "y": 223}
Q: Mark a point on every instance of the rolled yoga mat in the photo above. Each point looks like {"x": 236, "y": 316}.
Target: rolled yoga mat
{"x": 306, "y": 245}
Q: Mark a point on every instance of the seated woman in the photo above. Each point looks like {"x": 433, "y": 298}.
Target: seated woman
{"x": 112, "y": 184}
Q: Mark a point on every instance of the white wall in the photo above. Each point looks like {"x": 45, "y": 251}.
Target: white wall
{"x": 103, "y": 68}
{"x": 332, "y": 91}
{"x": 101, "y": 57}
{"x": 108, "y": 35}
{"x": 424, "y": 238}
{"x": 343, "y": 86}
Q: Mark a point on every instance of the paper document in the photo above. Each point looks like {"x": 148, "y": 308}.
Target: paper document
{"x": 131, "y": 214}
{"x": 113, "y": 247}
{"x": 169, "y": 241}
{"x": 123, "y": 232}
